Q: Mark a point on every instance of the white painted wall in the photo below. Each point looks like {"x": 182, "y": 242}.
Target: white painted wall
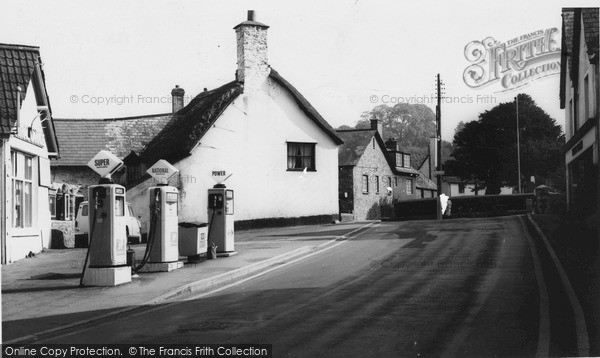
{"x": 249, "y": 140}
{"x": 20, "y": 241}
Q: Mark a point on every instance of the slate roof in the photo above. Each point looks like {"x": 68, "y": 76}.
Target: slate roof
{"x": 18, "y": 65}
{"x": 355, "y": 143}
{"x": 81, "y": 139}
{"x": 188, "y": 125}
{"x": 424, "y": 182}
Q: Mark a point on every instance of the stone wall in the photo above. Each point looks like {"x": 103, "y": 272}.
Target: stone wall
{"x": 63, "y": 234}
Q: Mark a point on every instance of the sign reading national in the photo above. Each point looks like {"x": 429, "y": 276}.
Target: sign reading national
{"x": 162, "y": 170}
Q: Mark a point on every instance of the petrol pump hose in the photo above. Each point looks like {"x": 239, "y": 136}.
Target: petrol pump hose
{"x": 151, "y": 236}
{"x": 87, "y": 255}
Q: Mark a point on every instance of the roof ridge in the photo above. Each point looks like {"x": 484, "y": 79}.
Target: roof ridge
{"x": 113, "y": 118}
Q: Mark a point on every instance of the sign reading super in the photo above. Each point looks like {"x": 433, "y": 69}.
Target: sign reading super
{"x": 105, "y": 163}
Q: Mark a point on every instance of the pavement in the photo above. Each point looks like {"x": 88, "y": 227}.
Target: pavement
{"x": 577, "y": 248}
{"x": 37, "y": 290}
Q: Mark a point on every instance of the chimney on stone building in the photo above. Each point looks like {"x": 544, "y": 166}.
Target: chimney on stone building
{"x": 391, "y": 144}
{"x": 253, "y": 67}
{"x": 177, "y": 94}
{"x": 377, "y": 125}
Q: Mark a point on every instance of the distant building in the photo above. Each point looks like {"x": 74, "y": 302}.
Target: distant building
{"x": 82, "y": 139}
{"x": 454, "y": 186}
{"x": 371, "y": 176}
{"x": 579, "y": 96}
{"x": 27, "y": 143}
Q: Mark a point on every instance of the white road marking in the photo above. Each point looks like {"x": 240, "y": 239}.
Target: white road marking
{"x": 544, "y": 328}
{"x": 583, "y": 343}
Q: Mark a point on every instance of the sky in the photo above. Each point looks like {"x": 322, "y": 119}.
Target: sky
{"x": 107, "y": 59}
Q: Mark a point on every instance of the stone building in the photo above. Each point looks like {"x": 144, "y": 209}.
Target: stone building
{"x": 82, "y": 139}
{"x": 371, "y": 177}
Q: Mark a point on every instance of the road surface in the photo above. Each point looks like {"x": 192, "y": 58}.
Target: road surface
{"x": 465, "y": 287}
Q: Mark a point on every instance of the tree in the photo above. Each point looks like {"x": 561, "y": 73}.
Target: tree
{"x": 412, "y": 125}
{"x": 486, "y": 150}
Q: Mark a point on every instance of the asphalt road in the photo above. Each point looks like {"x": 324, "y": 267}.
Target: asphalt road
{"x": 467, "y": 287}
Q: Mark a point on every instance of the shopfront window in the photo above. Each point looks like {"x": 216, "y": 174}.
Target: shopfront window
{"x": 22, "y": 189}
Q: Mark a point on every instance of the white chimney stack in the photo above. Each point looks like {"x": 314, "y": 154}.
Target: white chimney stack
{"x": 253, "y": 66}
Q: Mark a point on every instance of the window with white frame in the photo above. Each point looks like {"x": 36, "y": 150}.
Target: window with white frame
{"x": 376, "y": 180}
{"x": 365, "y": 184}
{"x": 409, "y": 186}
{"x": 22, "y": 189}
{"x": 301, "y": 156}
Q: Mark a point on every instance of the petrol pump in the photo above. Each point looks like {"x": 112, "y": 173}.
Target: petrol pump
{"x": 107, "y": 248}
{"x": 220, "y": 214}
{"x": 162, "y": 251}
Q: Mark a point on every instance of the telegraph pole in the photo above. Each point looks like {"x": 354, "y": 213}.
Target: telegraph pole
{"x": 518, "y": 146}
{"x": 438, "y": 121}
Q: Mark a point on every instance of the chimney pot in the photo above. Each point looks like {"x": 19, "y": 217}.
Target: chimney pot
{"x": 177, "y": 95}
{"x": 250, "y": 15}
{"x": 377, "y": 125}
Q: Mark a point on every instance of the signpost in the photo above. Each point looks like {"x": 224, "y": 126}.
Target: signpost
{"x": 220, "y": 175}
{"x": 162, "y": 170}
{"x": 105, "y": 163}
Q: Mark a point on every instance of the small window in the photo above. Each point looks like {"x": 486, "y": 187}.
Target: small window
{"x": 406, "y": 160}
{"x": 398, "y": 159}
{"x": 52, "y": 202}
{"x": 84, "y": 210}
{"x": 586, "y": 98}
{"x": 301, "y": 156}
{"x": 373, "y": 142}
{"x": 409, "y": 186}
{"x": 376, "y": 180}
{"x": 120, "y": 206}
{"x": 461, "y": 188}
{"x": 365, "y": 184}
{"x": 389, "y": 182}
{"x": 395, "y": 182}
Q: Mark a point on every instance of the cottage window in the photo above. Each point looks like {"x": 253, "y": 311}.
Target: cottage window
{"x": 22, "y": 189}
{"x": 365, "y": 184}
{"x": 301, "y": 156}
{"x": 409, "y": 186}
{"x": 406, "y": 160}
{"x": 395, "y": 182}
{"x": 376, "y": 180}
{"x": 398, "y": 159}
{"x": 389, "y": 182}
{"x": 461, "y": 188}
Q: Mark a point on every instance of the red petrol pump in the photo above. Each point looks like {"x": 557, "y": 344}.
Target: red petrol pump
{"x": 107, "y": 248}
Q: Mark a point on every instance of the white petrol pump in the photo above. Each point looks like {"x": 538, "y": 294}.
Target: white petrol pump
{"x": 162, "y": 250}
{"x": 107, "y": 249}
{"x": 220, "y": 214}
